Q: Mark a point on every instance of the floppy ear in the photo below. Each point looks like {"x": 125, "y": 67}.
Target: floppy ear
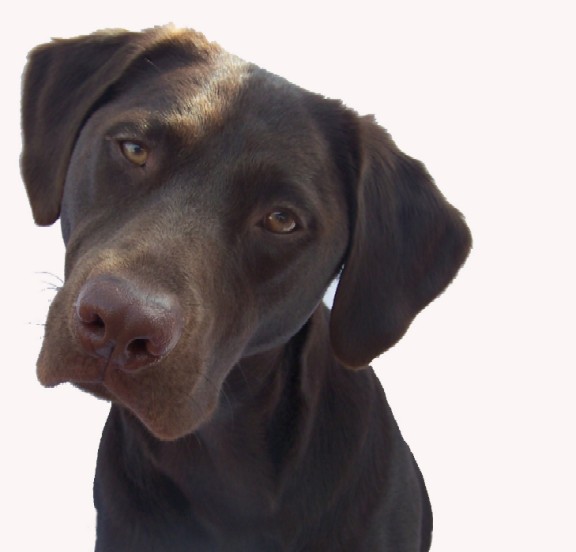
{"x": 63, "y": 82}
{"x": 406, "y": 246}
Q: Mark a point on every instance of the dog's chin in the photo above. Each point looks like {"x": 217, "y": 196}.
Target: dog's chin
{"x": 167, "y": 415}
{"x": 169, "y": 424}
{"x": 95, "y": 389}
{"x": 171, "y": 429}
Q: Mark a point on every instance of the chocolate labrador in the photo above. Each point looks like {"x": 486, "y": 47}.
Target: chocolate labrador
{"x": 206, "y": 206}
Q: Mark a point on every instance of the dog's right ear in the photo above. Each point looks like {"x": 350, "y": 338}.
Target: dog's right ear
{"x": 63, "y": 82}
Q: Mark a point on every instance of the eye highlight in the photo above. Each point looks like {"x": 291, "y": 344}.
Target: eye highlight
{"x": 280, "y": 221}
{"x": 134, "y": 152}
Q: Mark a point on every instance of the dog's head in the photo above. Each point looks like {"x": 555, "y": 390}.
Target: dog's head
{"x": 206, "y": 205}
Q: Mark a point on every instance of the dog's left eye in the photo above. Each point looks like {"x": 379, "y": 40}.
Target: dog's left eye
{"x": 135, "y": 152}
{"x": 280, "y": 221}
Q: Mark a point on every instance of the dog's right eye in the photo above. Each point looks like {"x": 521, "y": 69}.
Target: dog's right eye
{"x": 280, "y": 221}
{"x": 135, "y": 152}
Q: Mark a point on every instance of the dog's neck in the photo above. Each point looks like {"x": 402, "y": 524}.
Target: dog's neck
{"x": 248, "y": 463}
{"x": 265, "y": 407}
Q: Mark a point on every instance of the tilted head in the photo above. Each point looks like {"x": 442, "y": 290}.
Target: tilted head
{"x": 206, "y": 205}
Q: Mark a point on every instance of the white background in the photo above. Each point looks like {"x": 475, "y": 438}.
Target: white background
{"x": 483, "y": 383}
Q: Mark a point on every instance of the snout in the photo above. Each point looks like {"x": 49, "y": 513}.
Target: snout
{"x": 145, "y": 340}
{"x": 127, "y": 325}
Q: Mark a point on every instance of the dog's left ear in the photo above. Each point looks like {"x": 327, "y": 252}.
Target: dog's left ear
{"x": 407, "y": 244}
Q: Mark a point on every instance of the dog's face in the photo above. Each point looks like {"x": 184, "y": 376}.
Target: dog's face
{"x": 212, "y": 184}
{"x": 229, "y": 197}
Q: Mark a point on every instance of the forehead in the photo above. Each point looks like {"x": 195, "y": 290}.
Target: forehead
{"x": 220, "y": 101}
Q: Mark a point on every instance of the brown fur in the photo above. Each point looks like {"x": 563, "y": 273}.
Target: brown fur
{"x": 236, "y": 423}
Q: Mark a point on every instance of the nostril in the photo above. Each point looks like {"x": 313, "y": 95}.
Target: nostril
{"x": 139, "y": 347}
{"x": 97, "y": 322}
{"x": 96, "y": 325}
{"x": 89, "y": 319}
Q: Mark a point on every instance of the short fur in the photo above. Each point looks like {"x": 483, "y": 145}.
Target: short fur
{"x": 244, "y": 416}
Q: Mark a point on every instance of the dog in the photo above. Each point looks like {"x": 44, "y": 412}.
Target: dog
{"x": 206, "y": 206}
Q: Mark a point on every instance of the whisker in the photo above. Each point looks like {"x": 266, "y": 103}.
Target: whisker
{"x": 52, "y": 275}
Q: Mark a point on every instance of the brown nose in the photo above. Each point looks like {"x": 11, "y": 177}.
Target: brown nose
{"x": 125, "y": 324}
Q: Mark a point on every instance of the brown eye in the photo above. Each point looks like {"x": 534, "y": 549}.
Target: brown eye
{"x": 280, "y": 222}
{"x": 135, "y": 153}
